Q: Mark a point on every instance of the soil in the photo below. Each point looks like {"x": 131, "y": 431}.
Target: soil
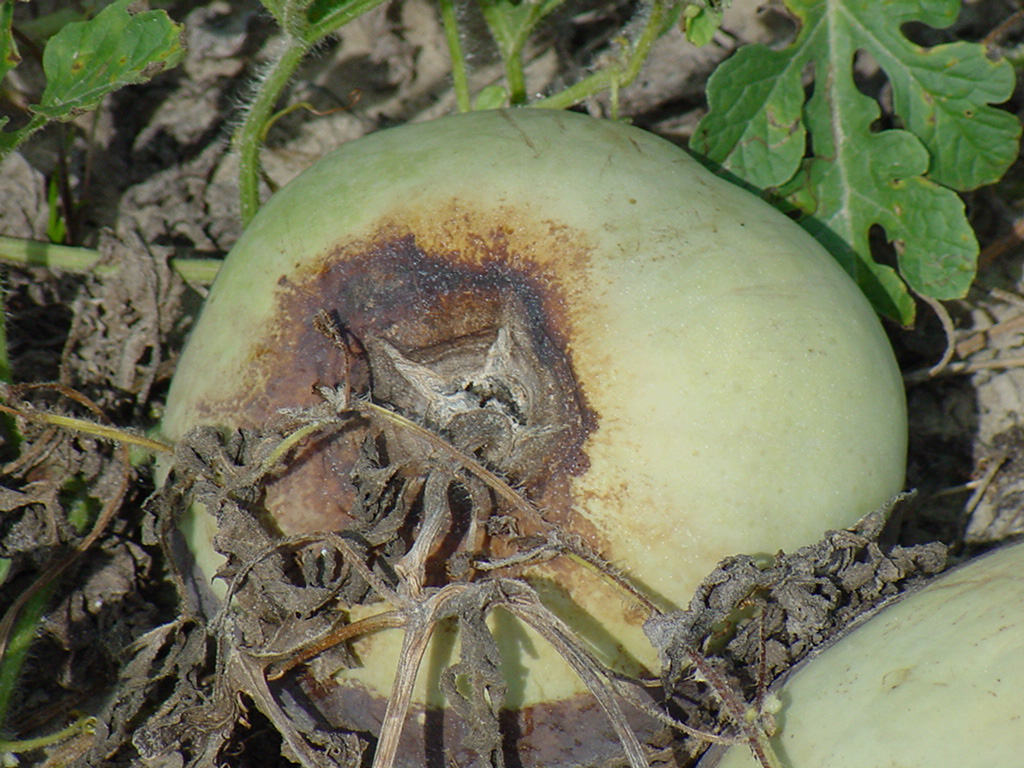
{"x": 150, "y": 178}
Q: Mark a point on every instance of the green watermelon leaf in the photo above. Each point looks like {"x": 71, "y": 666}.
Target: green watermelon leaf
{"x": 904, "y": 179}
{"x": 86, "y": 60}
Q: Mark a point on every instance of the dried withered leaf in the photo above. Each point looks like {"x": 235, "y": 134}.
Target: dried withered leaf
{"x": 36, "y": 530}
{"x": 996, "y": 511}
{"x": 757, "y": 619}
{"x": 123, "y": 318}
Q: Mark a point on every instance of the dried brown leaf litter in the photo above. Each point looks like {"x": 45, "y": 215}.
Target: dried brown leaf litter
{"x": 424, "y": 503}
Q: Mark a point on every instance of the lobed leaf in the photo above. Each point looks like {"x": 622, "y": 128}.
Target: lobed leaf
{"x": 87, "y": 60}
{"x": 856, "y": 176}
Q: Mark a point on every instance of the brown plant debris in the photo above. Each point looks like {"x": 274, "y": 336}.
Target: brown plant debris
{"x": 412, "y": 546}
{"x": 752, "y": 619}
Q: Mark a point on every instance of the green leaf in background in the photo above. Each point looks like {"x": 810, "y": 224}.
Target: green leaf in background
{"x": 87, "y": 60}
{"x": 700, "y": 22}
{"x": 900, "y": 179}
{"x": 491, "y": 97}
{"x": 321, "y": 9}
{"x": 511, "y": 22}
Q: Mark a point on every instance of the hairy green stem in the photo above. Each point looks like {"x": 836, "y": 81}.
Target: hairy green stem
{"x": 619, "y": 75}
{"x": 248, "y": 139}
{"x": 10, "y": 141}
{"x": 69, "y": 258}
{"x": 300, "y": 37}
{"x": 451, "y": 35}
{"x": 641, "y": 47}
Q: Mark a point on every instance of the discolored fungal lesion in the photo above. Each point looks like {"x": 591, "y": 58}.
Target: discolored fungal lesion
{"x": 472, "y": 345}
{"x": 442, "y": 347}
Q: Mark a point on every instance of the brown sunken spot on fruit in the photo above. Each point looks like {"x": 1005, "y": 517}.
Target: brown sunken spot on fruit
{"x": 464, "y": 321}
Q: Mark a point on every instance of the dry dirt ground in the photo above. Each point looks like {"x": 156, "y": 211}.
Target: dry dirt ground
{"x": 149, "y": 178}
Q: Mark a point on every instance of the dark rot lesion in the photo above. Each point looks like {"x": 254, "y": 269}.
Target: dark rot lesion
{"x": 474, "y": 350}
{"x": 461, "y": 428}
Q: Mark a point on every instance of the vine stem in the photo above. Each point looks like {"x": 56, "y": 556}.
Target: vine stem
{"x": 249, "y": 138}
{"x": 84, "y": 724}
{"x": 300, "y": 37}
{"x": 460, "y": 79}
{"x": 69, "y": 258}
{"x": 617, "y": 76}
{"x": 12, "y": 140}
{"x": 91, "y": 428}
{"x": 514, "y": 75}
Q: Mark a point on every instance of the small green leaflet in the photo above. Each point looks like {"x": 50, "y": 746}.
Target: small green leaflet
{"x": 87, "y": 60}
{"x": 904, "y": 180}
{"x": 491, "y": 97}
{"x": 701, "y": 22}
